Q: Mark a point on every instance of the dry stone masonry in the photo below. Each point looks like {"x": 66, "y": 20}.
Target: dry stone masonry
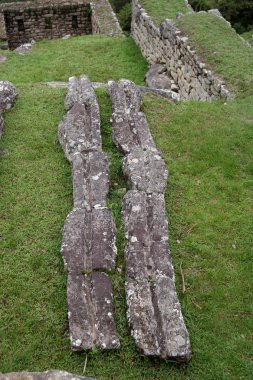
{"x": 154, "y": 312}
{"x": 8, "y": 94}
{"x": 88, "y": 243}
{"x": 36, "y": 20}
{"x": 167, "y": 46}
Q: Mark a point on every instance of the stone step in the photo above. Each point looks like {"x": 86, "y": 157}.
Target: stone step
{"x": 88, "y": 241}
{"x": 90, "y": 305}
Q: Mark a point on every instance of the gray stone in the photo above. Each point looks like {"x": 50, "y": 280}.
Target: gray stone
{"x": 25, "y": 48}
{"x": 157, "y": 77}
{"x": 90, "y": 312}
{"x": 155, "y": 318}
{"x": 131, "y": 131}
{"x": 81, "y": 91}
{"x": 3, "y": 58}
{"x": 8, "y": 94}
{"x": 48, "y": 375}
{"x": 146, "y": 170}
{"x": 90, "y": 179}
{"x": 154, "y": 313}
{"x": 88, "y": 241}
{"x": 78, "y": 131}
{"x": 170, "y": 95}
{"x": 146, "y": 228}
{"x": 66, "y": 37}
{"x": 1, "y": 126}
{"x": 125, "y": 96}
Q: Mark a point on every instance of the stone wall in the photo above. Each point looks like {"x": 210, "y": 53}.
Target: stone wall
{"x": 2, "y": 27}
{"x": 46, "y": 22}
{"x": 167, "y": 46}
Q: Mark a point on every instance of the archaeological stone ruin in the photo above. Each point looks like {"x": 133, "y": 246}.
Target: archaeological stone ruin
{"x": 88, "y": 244}
{"x": 37, "y": 20}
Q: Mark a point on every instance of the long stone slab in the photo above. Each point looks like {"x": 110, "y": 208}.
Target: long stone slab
{"x": 90, "y": 179}
{"x": 8, "y": 95}
{"x": 145, "y": 170}
{"x": 154, "y": 312}
{"x": 78, "y": 132}
{"x": 90, "y": 305}
{"x": 88, "y": 241}
{"x": 125, "y": 96}
{"x": 131, "y": 131}
{"x": 48, "y": 375}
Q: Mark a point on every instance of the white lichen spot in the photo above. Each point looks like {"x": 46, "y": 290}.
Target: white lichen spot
{"x": 134, "y": 239}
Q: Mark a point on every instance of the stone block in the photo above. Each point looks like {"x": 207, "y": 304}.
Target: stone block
{"x": 90, "y": 179}
{"x": 91, "y": 312}
{"x": 88, "y": 241}
{"x": 146, "y": 170}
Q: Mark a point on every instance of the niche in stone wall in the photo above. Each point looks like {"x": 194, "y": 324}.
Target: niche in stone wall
{"x": 21, "y": 25}
{"x": 48, "y": 23}
{"x": 74, "y": 22}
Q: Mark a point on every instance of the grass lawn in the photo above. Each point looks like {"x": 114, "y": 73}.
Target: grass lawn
{"x": 208, "y": 149}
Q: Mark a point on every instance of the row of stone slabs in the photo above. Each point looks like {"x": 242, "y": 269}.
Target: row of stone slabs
{"x": 88, "y": 244}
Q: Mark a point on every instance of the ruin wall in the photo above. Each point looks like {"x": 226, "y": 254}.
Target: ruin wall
{"x": 46, "y": 22}
{"x": 166, "y": 45}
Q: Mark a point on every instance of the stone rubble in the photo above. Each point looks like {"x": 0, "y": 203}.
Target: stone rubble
{"x": 8, "y": 95}
{"x": 89, "y": 234}
{"x": 154, "y": 313}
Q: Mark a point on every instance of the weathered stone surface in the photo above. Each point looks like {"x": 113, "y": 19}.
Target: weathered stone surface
{"x": 157, "y": 77}
{"x": 88, "y": 241}
{"x": 1, "y": 126}
{"x": 154, "y": 313}
{"x": 90, "y": 305}
{"x": 155, "y": 317}
{"x": 81, "y": 91}
{"x": 125, "y": 96}
{"x": 145, "y": 169}
{"x": 78, "y": 131}
{"x": 131, "y": 131}
{"x": 8, "y": 94}
{"x": 171, "y": 95}
{"x": 48, "y": 375}
{"x": 90, "y": 179}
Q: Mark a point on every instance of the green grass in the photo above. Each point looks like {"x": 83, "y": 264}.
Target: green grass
{"x": 208, "y": 150}
{"x": 218, "y": 45}
{"x": 248, "y": 36}
{"x": 100, "y": 57}
{"x": 162, "y": 9}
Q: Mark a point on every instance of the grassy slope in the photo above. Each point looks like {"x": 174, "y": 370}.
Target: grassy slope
{"x": 208, "y": 148}
{"x": 163, "y": 9}
{"x": 212, "y": 39}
